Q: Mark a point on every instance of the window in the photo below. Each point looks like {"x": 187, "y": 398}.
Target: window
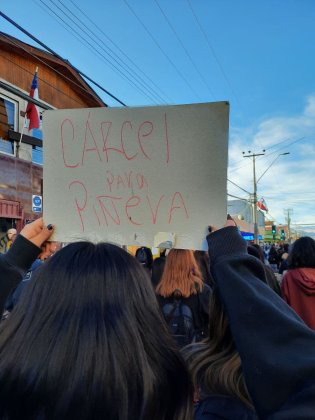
{"x": 37, "y": 153}
{"x": 8, "y": 116}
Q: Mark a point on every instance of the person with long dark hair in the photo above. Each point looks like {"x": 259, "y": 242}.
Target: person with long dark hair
{"x": 298, "y": 283}
{"x": 87, "y": 341}
{"x": 268, "y": 361}
{"x": 216, "y": 370}
{"x": 157, "y": 270}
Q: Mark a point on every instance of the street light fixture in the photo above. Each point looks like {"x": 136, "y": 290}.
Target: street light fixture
{"x": 281, "y": 154}
{"x": 253, "y": 156}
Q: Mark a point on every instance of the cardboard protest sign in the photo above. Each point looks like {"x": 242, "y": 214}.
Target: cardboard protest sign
{"x": 136, "y": 176}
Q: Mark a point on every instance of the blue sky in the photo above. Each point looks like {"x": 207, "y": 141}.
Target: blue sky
{"x": 258, "y": 55}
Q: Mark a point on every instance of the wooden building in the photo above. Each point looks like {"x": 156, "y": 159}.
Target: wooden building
{"x": 60, "y": 87}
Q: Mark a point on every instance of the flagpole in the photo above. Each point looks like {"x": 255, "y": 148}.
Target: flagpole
{"x": 19, "y": 143}
{"x": 22, "y": 131}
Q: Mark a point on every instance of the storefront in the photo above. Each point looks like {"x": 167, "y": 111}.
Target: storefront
{"x": 249, "y": 236}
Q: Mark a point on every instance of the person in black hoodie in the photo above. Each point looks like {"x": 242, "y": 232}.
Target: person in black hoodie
{"x": 216, "y": 370}
{"x": 276, "y": 348}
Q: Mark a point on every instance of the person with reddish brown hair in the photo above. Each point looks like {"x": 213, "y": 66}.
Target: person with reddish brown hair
{"x": 184, "y": 297}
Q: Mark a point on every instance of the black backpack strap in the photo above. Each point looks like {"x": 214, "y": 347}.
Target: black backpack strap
{"x": 199, "y": 332}
{"x": 169, "y": 316}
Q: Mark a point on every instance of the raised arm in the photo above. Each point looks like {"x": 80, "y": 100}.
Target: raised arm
{"x": 29, "y": 245}
{"x": 275, "y": 346}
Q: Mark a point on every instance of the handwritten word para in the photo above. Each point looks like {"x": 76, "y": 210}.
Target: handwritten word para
{"x": 126, "y": 180}
{"x": 110, "y": 210}
{"x": 133, "y": 141}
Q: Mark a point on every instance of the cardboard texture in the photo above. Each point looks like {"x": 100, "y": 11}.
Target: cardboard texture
{"x": 123, "y": 175}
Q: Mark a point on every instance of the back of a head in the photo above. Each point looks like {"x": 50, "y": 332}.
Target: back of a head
{"x": 12, "y": 231}
{"x": 181, "y": 272}
{"x": 82, "y": 343}
{"x": 302, "y": 253}
{"x": 256, "y": 251}
{"x": 286, "y": 247}
{"x": 157, "y": 270}
{"x": 145, "y": 257}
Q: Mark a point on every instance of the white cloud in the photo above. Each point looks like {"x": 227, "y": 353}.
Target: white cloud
{"x": 290, "y": 180}
{"x": 310, "y": 107}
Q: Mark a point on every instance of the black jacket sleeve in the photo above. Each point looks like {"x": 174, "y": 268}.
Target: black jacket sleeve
{"x": 14, "y": 264}
{"x": 275, "y": 346}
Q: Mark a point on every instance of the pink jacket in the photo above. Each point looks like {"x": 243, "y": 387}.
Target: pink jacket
{"x": 298, "y": 290}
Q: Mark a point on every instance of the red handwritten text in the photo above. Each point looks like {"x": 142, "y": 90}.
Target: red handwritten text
{"x": 114, "y": 209}
{"x": 100, "y": 141}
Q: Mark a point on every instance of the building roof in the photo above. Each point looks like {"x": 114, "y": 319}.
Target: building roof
{"x": 61, "y": 67}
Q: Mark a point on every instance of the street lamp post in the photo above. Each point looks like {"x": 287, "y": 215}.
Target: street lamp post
{"x": 277, "y": 157}
{"x": 288, "y": 213}
{"x": 253, "y": 156}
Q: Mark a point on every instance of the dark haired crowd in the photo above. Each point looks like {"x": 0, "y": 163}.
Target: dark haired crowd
{"x": 88, "y": 339}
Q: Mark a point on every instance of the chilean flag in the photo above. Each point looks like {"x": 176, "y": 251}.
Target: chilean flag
{"x": 32, "y": 113}
{"x": 262, "y": 204}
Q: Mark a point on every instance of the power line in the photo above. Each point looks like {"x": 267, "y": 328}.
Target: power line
{"x": 238, "y": 186}
{"x": 184, "y": 48}
{"x": 286, "y": 146}
{"x": 269, "y": 154}
{"x": 46, "y": 64}
{"x": 139, "y": 84}
{"x": 212, "y": 51}
{"x": 41, "y": 79}
{"x": 239, "y": 198}
{"x": 120, "y": 50}
{"x": 90, "y": 46}
{"x": 276, "y": 144}
{"x": 161, "y": 49}
{"x": 60, "y": 58}
{"x": 23, "y": 95}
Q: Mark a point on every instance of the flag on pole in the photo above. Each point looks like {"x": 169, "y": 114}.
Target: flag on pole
{"x": 32, "y": 113}
{"x": 262, "y": 204}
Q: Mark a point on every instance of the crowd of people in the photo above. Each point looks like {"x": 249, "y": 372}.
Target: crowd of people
{"x": 97, "y": 333}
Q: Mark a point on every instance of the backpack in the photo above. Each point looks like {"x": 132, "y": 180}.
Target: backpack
{"x": 179, "y": 319}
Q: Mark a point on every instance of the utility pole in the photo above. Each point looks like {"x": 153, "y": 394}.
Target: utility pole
{"x": 253, "y": 156}
{"x": 288, "y": 213}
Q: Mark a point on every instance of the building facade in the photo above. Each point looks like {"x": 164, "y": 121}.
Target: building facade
{"x": 60, "y": 87}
